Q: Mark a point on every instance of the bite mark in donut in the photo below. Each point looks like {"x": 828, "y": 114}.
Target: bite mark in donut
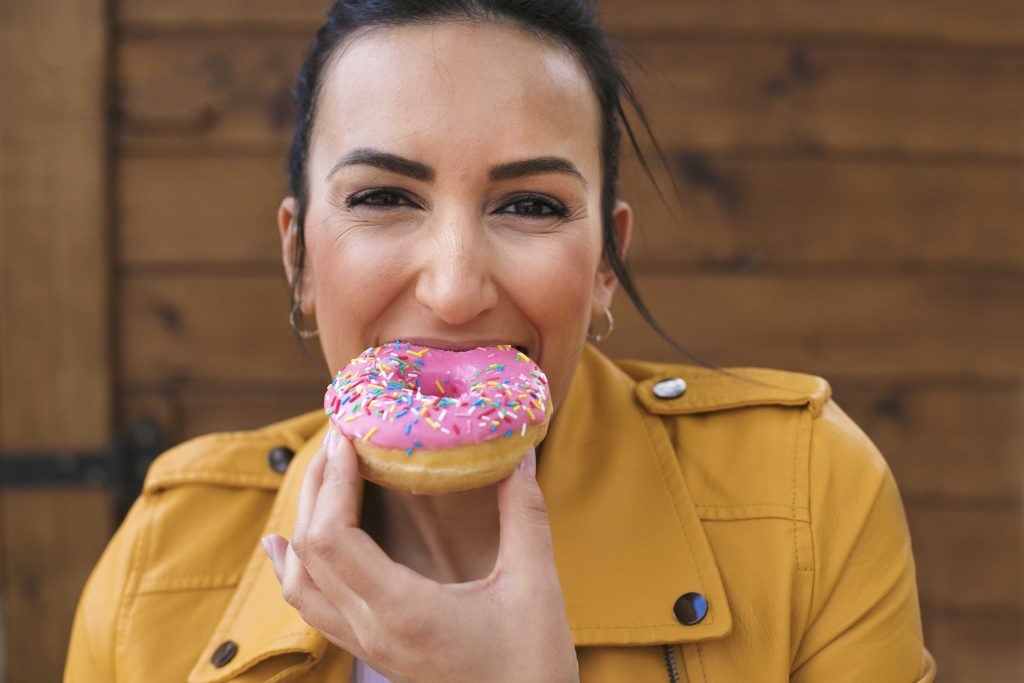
{"x": 435, "y": 421}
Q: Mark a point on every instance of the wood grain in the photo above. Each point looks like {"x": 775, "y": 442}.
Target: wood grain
{"x": 178, "y": 330}
{"x": 55, "y": 364}
{"x": 968, "y": 555}
{"x": 191, "y": 411}
{"x": 850, "y": 99}
{"x": 743, "y": 212}
{"x": 954, "y": 22}
{"x": 877, "y": 325}
{"x": 197, "y": 210}
{"x": 190, "y": 94}
{"x": 947, "y": 441}
{"x": 979, "y": 645}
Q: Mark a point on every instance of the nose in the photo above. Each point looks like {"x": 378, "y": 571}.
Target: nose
{"x": 456, "y": 279}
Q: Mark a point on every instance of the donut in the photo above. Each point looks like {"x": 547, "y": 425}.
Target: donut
{"x": 433, "y": 421}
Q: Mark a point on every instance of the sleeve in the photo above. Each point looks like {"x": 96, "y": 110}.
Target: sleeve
{"x": 864, "y": 621}
{"x": 91, "y": 652}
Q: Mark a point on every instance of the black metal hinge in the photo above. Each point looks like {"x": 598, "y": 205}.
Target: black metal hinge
{"x": 121, "y": 468}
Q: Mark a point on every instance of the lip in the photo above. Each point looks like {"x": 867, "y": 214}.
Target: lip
{"x": 454, "y": 345}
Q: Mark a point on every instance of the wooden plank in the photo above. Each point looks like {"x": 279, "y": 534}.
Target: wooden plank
{"x": 178, "y": 330}
{"x": 200, "y": 210}
{"x": 54, "y": 538}
{"x": 976, "y": 645}
{"x": 858, "y": 100}
{"x": 954, "y": 441}
{"x": 968, "y": 556}
{"x": 191, "y": 94}
{"x": 187, "y": 328}
{"x": 194, "y": 411}
{"x": 855, "y": 324}
{"x": 749, "y": 212}
{"x": 958, "y": 22}
{"x": 54, "y": 301}
{"x": 803, "y": 211}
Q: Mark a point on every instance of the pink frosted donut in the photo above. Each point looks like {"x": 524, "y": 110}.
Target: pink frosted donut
{"x": 433, "y": 421}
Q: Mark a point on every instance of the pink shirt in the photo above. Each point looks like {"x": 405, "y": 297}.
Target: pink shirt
{"x": 363, "y": 673}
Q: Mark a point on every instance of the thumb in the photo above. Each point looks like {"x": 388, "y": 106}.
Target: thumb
{"x": 525, "y": 541}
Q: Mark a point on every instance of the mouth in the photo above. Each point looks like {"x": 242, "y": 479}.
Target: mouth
{"x": 452, "y": 345}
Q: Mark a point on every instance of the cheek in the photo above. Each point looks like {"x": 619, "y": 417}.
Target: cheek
{"x": 355, "y": 277}
{"x": 554, "y": 280}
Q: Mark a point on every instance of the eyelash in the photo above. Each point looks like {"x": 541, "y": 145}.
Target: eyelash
{"x": 557, "y": 208}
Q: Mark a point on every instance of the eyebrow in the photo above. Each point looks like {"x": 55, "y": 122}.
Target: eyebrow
{"x": 366, "y": 156}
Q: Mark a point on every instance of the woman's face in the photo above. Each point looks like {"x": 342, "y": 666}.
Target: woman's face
{"x": 454, "y": 197}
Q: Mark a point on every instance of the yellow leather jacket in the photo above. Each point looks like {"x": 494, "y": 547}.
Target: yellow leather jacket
{"x": 762, "y": 497}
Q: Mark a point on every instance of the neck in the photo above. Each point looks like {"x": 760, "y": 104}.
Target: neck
{"x": 451, "y": 538}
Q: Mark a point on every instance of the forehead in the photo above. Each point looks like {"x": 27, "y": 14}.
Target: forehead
{"x": 456, "y": 92}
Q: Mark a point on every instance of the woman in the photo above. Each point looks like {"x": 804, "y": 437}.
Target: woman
{"x": 453, "y": 184}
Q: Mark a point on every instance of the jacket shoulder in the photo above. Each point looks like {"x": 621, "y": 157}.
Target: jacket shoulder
{"x": 704, "y": 390}
{"x": 231, "y": 458}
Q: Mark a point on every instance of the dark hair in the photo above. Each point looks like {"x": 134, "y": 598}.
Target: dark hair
{"x": 569, "y": 23}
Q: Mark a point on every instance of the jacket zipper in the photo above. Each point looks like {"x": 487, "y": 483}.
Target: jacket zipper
{"x": 670, "y": 664}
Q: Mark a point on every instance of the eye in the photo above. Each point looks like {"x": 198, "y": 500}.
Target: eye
{"x": 381, "y": 197}
{"x": 534, "y": 206}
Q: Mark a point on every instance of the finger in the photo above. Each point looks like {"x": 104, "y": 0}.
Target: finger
{"x": 299, "y": 591}
{"x": 343, "y": 550}
{"x": 311, "y": 487}
{"x": 275, "y": 546}
{"x": 525, "y": 542}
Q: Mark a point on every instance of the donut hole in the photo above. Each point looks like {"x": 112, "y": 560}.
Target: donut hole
{"x": 442, "y": 384}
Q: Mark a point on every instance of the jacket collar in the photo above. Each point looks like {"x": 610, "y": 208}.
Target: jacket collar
{"x": 627, "y": 537}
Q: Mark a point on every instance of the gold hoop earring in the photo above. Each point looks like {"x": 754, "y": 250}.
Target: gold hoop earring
{"x": 609, "y": 321}
{"x": 294, "y": 318}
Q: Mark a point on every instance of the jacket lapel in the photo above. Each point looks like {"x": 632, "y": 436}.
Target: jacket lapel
{"x": 628, "y": 540}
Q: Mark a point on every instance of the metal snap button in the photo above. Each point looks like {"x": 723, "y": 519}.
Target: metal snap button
{"x": 690, "y": 608}
{"x": 279, "y": 458}
{"x": 670, "y": 388}
{"x": 224, "y": 653}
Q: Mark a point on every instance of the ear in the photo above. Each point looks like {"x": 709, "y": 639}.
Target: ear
{"x": 287, "y": 226}
{"x": 606, "y": 281}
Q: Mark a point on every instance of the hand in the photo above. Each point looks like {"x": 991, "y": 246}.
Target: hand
{"x": 510, "y": 626}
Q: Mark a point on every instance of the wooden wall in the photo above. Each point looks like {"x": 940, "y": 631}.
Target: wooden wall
{"x": 851, "y": 204}
{"x": 56, "y": 380}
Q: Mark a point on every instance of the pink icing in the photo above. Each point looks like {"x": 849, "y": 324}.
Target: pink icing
{"x": 409, "y": 397}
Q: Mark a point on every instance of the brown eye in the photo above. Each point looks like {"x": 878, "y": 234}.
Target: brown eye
{"x": 382, "y": 198}
{"x": 535, "y": 207}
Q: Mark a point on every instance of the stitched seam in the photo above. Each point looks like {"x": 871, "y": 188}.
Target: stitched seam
{"x": 796, "y": 453}
{"x": 212, "y": 477}
{"x": 751, "y": 518}
{"x": 713, "y": 399}
{"x": 741, "y": 505}
{"x": 675, "y": 510}
{"x": 181, "y": 589}
{"x": 700, "y": 662}
{"x": 190, "y": 582}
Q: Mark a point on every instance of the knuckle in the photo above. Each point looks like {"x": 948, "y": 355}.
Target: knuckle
{"x": 300, "y": 543}
{"x": 291, "y": 591}
{"x": 534, "y": 509}
{"x": 319, "y": 542}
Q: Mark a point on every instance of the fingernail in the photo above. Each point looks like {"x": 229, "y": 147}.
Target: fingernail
{"x": 266, "y": 547}
{"x": 528, "y": 465}
{"x": 331, "y": 442}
